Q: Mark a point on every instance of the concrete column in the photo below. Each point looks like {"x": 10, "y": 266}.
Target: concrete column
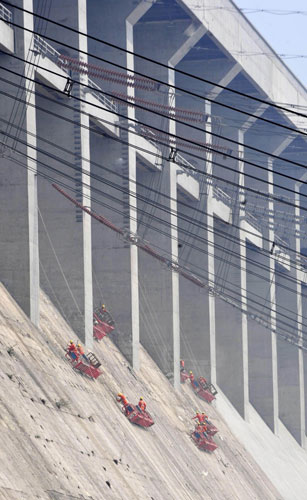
{"x": 115, "y": 263}
{"x": 19, "y": 263}
{"x": 65, "y": 231}
{"x": 160, "y": 335}
{"x": 230, "y": 281}
{"x": 288, "y": 318}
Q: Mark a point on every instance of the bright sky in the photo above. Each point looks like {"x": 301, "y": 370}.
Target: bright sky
{"x": 287, "y": 34}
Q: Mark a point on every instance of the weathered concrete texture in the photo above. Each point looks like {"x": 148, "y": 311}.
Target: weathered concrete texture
{"x": 63, "y": 436}
{"x": 19, "y": 266}
{"x": 194, "y": 301}
{"x": 231, "y": 370}
{"x": 65, "y": 231}
{"x": 260, "y": 352}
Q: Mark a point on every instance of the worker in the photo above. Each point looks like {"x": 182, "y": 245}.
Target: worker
{"x": 122, "y": 399}
{"x": 81, "y": 352}
{"x": 204, "y": 417}
{"x": 201, "y": 428}
{"x": 142, "y": 404}
{"x": 199, "y": 417}
{"x": 182, "y": 365}
{"x": 72, "y": 351}
{"x": 191, "y": 376}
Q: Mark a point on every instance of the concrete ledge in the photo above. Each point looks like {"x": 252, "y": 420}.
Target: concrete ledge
{"x": 282, "y": 258}
{"x": 57, "y": 81}
{"x": 6, "y": 38}
{"x": 103, "y": 117}
{"x": 188, "y": 185}
{"x": 252, "y": 234}
{"x": 153, "y": 157}
{"x": 220, "y": 209}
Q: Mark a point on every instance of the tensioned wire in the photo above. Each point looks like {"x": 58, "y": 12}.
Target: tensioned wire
{"x": 99, "y": 165}
{"x": 157, "y": 113}
{"x": 145, "y": 58}
{"x": 65, "y": 175}
{"x": 160, "y": 206}
{"x": 192, "y": 169}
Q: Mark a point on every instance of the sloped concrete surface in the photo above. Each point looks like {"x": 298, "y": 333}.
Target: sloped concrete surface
{"x": 64, "y": 437}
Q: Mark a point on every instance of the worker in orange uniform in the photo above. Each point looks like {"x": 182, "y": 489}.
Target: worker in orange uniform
{"x": 191, "y": 376}
{"x": 126, "y": 406}
{"x": 72, "y": 351}
{"x": 81, "y": 352}
{"x": 142, "y": 404}
{"x": 202, "y": 427}
{"x": 122, "y": 399}
{"x": 199, "y": 417}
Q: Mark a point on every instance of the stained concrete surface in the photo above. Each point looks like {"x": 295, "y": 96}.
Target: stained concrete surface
{"x": 63, "y": 436}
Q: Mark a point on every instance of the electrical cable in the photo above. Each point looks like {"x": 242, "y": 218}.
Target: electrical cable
{"x": 148, "y": 59}
{"x": 286, "y": 247}
{"x": 226, "y": 298}
{"x": 194, "y": 169}
{"x": 189, "y": 141}
{"x": 115, "y": 186}
{"x": 65, "y": 175}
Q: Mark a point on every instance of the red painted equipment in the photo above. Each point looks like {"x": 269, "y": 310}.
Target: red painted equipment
{"x": 211, "y": 429}
{"x": 101, "y": 328}
{"x": 136, "y": 416}
{"x": 203, "y": 441}
{"x": 183, "y": 376}
{"x": 89, "y": 368}
{"x": 204, "y": 389}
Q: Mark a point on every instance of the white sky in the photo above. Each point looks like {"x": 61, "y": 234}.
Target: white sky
{"x": 287, "y": 34}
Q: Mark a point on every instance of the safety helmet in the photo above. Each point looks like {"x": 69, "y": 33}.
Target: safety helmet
{"x": 71, "y": 342}
{"x": 79, "y": 345}
{"x": 103, "y": 306}
{"x": 191, "y": 371}
{"x": 119, "y": 394}
{"x": 141, "y": 398}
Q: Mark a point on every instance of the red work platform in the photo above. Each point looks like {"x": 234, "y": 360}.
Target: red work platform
{"x": 211, "y": 429}
{"x": 89, "y": 366}
{"x": 203, "y": 441}
{"x": 88, "y": 370}
{"x": 136, "y": 416}
{"x": 101, "y": 328}
{"x": 204, "y": 390}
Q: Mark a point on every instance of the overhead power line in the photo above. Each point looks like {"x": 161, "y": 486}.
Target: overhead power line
{"x": 148, "y": 59}
{"x": 179, "y": 164}
{"x": 69, "y": 187}
{"x": 146, "y": 200}
{"x": 189, "y": 141}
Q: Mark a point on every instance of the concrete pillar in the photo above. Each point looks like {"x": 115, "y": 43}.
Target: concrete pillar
{"x": 65, "y": 231}
{"x": 288, "y": 319}
{"x": 230, "y": 281}
{"x": 160, "y": 336}
{"x": 115, "y": 263}
{"x": 19, "y": 263}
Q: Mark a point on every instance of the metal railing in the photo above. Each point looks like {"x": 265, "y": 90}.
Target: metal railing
{"x": 220, "y": 195}
{"x": 149, "y": 135}
{"x": 108, "y": 103}
{"x": 5, "y": 14}
{"x": 253, "y": 221}
{"x": 186, "y": 165}
{"x": 44, "y": 48}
